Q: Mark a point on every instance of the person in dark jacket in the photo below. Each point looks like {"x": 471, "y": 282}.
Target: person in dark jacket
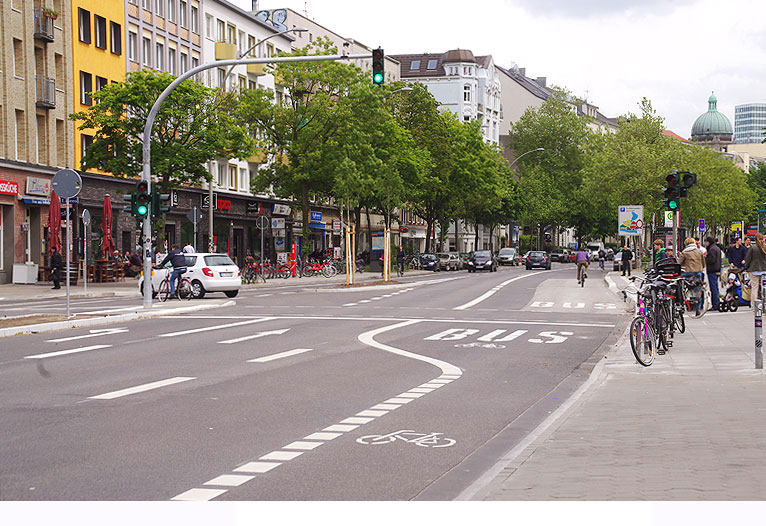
{"x": 755, "y": 264}
{"x": 177, "y": 259}
{"x": 626, "y": 257}
{"x": 56, "y": 265}
{"x": 737, "y": 254}
{"x": 713, "y": 265}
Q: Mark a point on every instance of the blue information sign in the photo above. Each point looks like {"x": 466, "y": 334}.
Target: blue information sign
{"x": 702, "y": 225}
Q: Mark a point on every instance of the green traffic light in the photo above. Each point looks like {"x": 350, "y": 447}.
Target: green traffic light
{"x": 378, "y": 78}
{"x": 673, "y": 204}
{"x": 142, "y": 210}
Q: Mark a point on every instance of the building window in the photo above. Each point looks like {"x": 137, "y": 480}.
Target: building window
{"x": 133, "y": 46}
{"x": 85, "y": 142}
{"x": 147, "y": 4}
{"x": 194, "y": 62}
{"x": 220, "y": 31}
{"x": 251, "y": 45}
{"x": 159, "y": 58}
{"x": 184, "y": 62}
{"x": 172, "y": 11}
{"x": 251, "y": 84}
{"x": 231, "y": 34}
{"x": 466, "y": 93}
{"x": 86, "y": 87}
{"x": 159, "y": 8}
{"x": 414, "y": 65}
{"x": 116, "y": 33}
{"x": 172, "y": 61}
{"x": 182, "y": 14}
{"x": 194, "y": 19}
{"x": 269, "y": 50}
{"x": 232, "y": 177}
{"x": 147, "y": 50}
{"x": 221, "y": 77}
{"x": 99, "y": 23}
{"x": 101, "y": 82}
{"x": 222, "y": 176}
{"x": 431, "y": 64}
{"x": 243, "y": 177}
{"x": 209, "y": 26}
{"x": 18, "y": 58}
{"x": 83, "y": 18}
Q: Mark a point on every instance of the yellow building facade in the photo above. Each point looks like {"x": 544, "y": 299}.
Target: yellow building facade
{"x": 98, "y": 56}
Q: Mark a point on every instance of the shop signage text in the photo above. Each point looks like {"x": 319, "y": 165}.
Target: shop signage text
{"x": 38, "y": 186}
{"x": 316, "y": 217}
{"x": 282, "y": 210}
{"x": 254, "y": 207}
{"x": 223, "y": 204}
{"x": 9, "y": 188}
{"x": 206, "y": 200}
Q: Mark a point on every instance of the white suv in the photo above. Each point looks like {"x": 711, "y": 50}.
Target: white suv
{"x": 207, "y": 272}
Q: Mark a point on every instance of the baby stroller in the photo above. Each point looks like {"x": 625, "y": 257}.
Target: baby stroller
{"x": 735, "y": 294}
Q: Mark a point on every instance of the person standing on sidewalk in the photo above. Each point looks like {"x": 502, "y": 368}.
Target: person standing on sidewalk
{"x": 755, "y": 264}
{"x": 693, "y": 265}
{"x": 626, "y": 257}
{"x": 713, "y": 264}
{"x": 659, "y": 250}
{"x": 56, "y": 265}
{"x": 737, "y": 254}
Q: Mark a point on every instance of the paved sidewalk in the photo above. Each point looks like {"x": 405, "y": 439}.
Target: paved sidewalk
{"x": 690, "y": 427}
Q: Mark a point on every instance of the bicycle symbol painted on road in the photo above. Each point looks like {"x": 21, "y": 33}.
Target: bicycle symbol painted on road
{"x": 482, "y": 345}
{"x": 408, "y": 435}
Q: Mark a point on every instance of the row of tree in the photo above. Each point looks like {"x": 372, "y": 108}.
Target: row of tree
{"x": 371, "y": 149}
{"x": 337, "y": 138}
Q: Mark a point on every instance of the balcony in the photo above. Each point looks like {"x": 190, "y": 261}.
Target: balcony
{"x": 257, "y": 69}
{"x": 45, "y": 92}
{"x": 225, "y": 51}
{"x": 43, "y": 25}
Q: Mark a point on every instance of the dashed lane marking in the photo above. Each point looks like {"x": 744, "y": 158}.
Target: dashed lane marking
{"x": 141, "y": 388}
{"x": 278, "y": 356}
{"x": 213, "y": 328}
{"x": 70, "y": 351}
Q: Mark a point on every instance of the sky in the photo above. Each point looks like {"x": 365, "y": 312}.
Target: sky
{"x": 611, "y": 52}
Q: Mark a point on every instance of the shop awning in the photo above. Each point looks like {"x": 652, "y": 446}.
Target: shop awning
{"x": 317, "y": 226}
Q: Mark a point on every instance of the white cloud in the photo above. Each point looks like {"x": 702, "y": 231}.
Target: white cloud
{"x": 615, "y": 51}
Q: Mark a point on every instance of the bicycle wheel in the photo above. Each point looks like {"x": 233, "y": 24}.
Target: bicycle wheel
{"x": 185, "y": 290}
{"x": 642, "y": 340}
{"x": 329, "y": 271}
{"x": 678, "y": 319}
{"x": 163, "y": 293}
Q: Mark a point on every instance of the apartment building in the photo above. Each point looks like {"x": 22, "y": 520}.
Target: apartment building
{"x": 35, "y": 135}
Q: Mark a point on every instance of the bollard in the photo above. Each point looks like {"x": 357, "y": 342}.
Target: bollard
{"x": 758, "y": 311}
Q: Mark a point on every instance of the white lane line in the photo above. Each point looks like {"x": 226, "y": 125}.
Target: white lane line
{"x": 356, "y": 420}
{"x": 431, "y": 385}
{"x": 277, "y": 356}
{"x": 410, "y": 395}
{"x": 398, "y": 401}
{"x": 200, "y": 494}
{"x": 304, "y": 445}
{"x": 229, "y": 480}
{"x": 93, "y": 333}
{"x": 369, "y": 412}
{"x": 421, "y": 390}
{"x": 256, "y": 335}
{"x": 493, "y": 291}
{"x": 142, "y": 388}
{"x": 322, "y": 436}
{"x": 213, "y": 328}
{"x": 70, "y": 351}
{"x": 350, "y": 304}
{"x": 340, "y": 427}
{"x": 257, "y": 467}
{"x": 387, "y": 407}
{"x": 364, "y": 301}
{"x": 281, "y": 455}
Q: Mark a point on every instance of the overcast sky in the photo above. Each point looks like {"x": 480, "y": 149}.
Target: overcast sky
{"x": 674, "y": 52}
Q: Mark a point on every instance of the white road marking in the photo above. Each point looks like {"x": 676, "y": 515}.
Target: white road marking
{"x": 398, "y": 401}
{"x": 492, "y": 335}
{"x": 452, "y": 334}
{"x": 256, "y": 335}
{"x": 229, "y": 480}
{"x": 93, "y": 334}
{"x": 340, "y": 427}
{"x": 386, "y": 407}
{"x": 410, "y": 395}
{"x": 215, "y": 327}
{"x": 70, "y": 351}
{"x": 322, "y": 436}
{"x": 303, "y": 445}
{"x": 257, "y": 467}
{"x": 350, "y": 304}
{"x": 369, "y": 412}
{"x": 431, "y": 385}
{"x": 200, "y": 494}
{"x": 281, "y": 455}
{"x": 569, "y": 305}
{"x": 279, "y": 355}
{"x": 142, "y": 388}
{"x": 420, "y": 390}
{"x": 493, "y": 291}
{"x": 560, "y": 337}
{"x": 356, "y": 420}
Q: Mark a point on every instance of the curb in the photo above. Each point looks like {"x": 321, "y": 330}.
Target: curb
{"x": 106, "y": 320}
{"x": 630, "y": 299}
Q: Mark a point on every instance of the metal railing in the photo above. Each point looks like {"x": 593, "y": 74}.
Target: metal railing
{"x": 43, "y": 26}
{"x": 45, "y": 92}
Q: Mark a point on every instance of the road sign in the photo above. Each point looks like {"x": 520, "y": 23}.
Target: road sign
{"x": 668, "y": 219}
{"x": 630, "y": 220}
{"x": 85, "y": 217}
{"x": 194, "y": 215}
{"x": 67, "y": 183}
{"x": 702, "y": 225}
{"x": 737, "y": 227}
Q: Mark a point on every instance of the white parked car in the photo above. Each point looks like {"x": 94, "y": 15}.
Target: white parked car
{"x": 207, "y": 272}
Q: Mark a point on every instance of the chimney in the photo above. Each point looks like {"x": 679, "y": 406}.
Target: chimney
{"x": 255, "y": 6}
{"x": 523, "y": 72}
{"x": 541, "y": 81}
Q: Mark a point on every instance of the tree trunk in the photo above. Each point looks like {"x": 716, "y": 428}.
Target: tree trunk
{"x": 306, "y": 209}
{"x": 476, "y": 236}
{"x": 369, "y": 227}
{"x": 457, "y": 238}
{"x": 357, "y": 224}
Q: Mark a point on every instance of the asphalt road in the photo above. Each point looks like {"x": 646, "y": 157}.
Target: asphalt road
{"x": 403, "y": 392}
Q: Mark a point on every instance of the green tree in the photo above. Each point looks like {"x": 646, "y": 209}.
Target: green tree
{"x": 193, "y": 126}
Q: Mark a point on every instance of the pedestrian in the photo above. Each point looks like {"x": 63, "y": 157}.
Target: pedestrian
{"x": 400, "y": 260}
{"x": 669, "y": 253}
{"x": 188, "y": 248}
{"x": 747, "y": 242}
{"x": 755, "y": 264}
{"x": 56, "y": 265}
{"x": 699, "y": 246}
{"x": 693, "y": 263}
{"x": 736, "y": 254}
{"x": 659, "y": 250}
{"x": 134, "y": 264}
{"x": 713, "y": 265}
{"x": 626, "y": 257}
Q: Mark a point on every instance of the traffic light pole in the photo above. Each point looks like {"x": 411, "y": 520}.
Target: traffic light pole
{"x": 147, "y": 160}
{"x": 675, "y": 234}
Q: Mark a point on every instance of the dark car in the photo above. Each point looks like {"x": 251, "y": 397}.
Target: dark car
{"x": 482, "y": 260}
{"x": 538, "y": 258}
{"x": 429, "y": 262}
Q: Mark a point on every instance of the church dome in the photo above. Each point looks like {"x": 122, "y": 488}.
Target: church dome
{"x": 712, "y": 123}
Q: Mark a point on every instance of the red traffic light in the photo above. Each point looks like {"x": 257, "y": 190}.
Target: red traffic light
{"x": 377, "y": 54}
{"x": 142, "y": 187}
{"x": 672, "y": 179}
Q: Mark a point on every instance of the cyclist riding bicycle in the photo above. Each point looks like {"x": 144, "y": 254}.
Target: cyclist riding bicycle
{"x": 581, "y": 259}
{"x": 177, "y": 259}
{"x": 601, "y": 258}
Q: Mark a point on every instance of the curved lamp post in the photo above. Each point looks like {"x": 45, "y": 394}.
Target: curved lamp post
{"x": 526, "y": 153}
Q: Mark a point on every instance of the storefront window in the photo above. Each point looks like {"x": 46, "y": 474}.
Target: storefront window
{"x": 2, "y": 258}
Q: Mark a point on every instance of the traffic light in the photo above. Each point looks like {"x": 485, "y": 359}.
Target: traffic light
{"x": 688, "y": 179}
{"x": 672, "y": 192}
{"x": 130, "y": 198}
{"x": 142, "y": 198}
{"x": 378, "y": 69}
{"x": 160, "y": 203}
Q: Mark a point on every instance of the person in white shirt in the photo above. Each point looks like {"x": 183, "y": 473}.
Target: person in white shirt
{"x": 188, "y": 249}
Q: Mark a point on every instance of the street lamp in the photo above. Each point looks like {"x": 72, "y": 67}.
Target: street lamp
{"x": 526, "y": 153}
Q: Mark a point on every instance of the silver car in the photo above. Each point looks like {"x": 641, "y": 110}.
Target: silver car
{"x": 507, "y": 256}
